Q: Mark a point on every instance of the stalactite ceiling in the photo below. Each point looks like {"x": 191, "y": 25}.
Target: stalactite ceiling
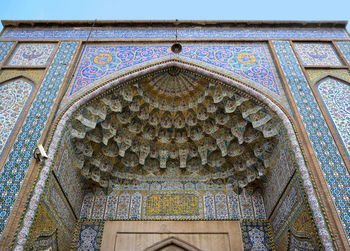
{"x": 174, "y": 125}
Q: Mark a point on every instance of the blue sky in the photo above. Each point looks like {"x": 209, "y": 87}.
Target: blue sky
{"x": 176, "y": 9}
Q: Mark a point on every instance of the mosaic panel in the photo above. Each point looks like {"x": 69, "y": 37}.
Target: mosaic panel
{"x": 336, "y": 98}
{"x": 13, "y": 98}
{"x": 291, "y": 200}
{"x": 70, "y": 181}
{"x": 282, "y": 168}
{"x": 5, "y": 47}
{"x": 123, "y": 206}
{"x": 34, "y": 75}
{"x": 135, "y": 33}
{"x": 209, "y": 206}
{"x": 135, "y": 206}
{"x": 317, "y": 54}
{"x": 233, "y": 206}
{"x": 256, "y": 235}
{"x": 246, "y": 205}
{"x": 345, "y": 49}
{"x": 58, "y": 204}
{"x": 258, "y": 205}
{"x": 45, "y": 224}
{"x": 332, "y": 166}
{"x": 221, "y": 206}
{"x": 88, "y": 235}
{"x": 14, "y": 171}
{"x": 111, "y": 206}
{"x": 87, "y": 206}
{"x": 316, "y": 74}
{"x": 249, "y": 62}
{"x": 176, "y": 204}
{"x": 99, "y": 205}
{"x": 31, "y": 54}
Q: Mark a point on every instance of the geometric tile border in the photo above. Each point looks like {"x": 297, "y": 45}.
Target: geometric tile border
{"x": 345, "y": 49}
{"x": 88, "y": 235}
{"x": 257, "y": 235}
{"x": 307, "y": 183}
{"x": 138, "y": 33}
{"x": 5, "y": 47}
{"x": 15, "y": 169}
{"x": 333, "y": 168}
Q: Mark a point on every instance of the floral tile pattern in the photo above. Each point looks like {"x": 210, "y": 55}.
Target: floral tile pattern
{"x": 14, "y": 171}
{"x": 33, "y": 75}
{"x": 31, "y": 54}
{"x": 256, "y": 235}
{"x": 316, "y": 74}
{"x": 335, "y": 95}
{"x": 14, "y": 95}
{"x": 171, "y": 205}
{"x": 345, "y": 49}
{"x": 317, "y": 54}
{"x": 248, "y": 62}
{"x": 5, "y": 47}
{"x": 88, "y": 235}
{"x": 331, "y": 163}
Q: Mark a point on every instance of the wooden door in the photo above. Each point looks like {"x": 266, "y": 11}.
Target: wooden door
{"x": 172, "y": 236}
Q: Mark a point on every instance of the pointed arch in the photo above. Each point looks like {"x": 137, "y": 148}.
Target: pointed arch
{"x": 15, "y": 94}
{"x": 284, "y": 116}
{"x": 172, "y": 241}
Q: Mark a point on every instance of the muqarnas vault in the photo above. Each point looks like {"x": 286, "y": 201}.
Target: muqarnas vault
{"x": 237, "y": 140}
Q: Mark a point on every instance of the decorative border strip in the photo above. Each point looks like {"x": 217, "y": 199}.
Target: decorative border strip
{"x": 5, "y": 48}
{"x": 331, "y": 163}
{"x": 345, "y": 49}
{"x": 147, "y": 33}
{"x": 315, "y": 206}
{"x": 14, "y": 171}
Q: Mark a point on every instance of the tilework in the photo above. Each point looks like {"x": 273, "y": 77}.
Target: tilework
{"x": 171, "y": 204}
{"x": 88, "y": 235}
{"x": 111, "y": 206}
{"x": 233, "y": 206}
{"x": 135, "y": 206}
{"x": 246, "y": 205}
{"x": 209, "y": 206}
{"x": 316, "y": 74}
{"x": 317, "y": 54}
{"x": 45, "y": 223}
{"x": 87, "y": 206}
{"x": 69, "y": 180}
{"x": 5, "y": 47}
{"x": 282, "y": 168}
{"x": 248, "y": 62}
{"x": 287, "y": 207}
{"x": 221, "y": 206}
{"x": 295, "y": 147}
{"x": 335, "y": 95}
{"x": 256, "y": 235}
{"x": 33, "y": 75}
{"x": 14, "y": 95}
{"x": 345, "y": 49}
{"x": 31, "y": 54}
{"x": 58, "y": 204}
{"x": 332, "y": 166}
{"x": 138, "y": 33}
{"x": 99, "y": 205}
{"x": 258, "y": 205}
{"x": 123, "y": 206}
{"x": 15, "y": 169}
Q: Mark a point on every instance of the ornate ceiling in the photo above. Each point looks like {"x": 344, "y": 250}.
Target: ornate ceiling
{"x": 173, "y": 125}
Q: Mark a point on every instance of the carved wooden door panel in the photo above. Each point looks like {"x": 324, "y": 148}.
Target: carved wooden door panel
{"x": 172, "y": 236}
